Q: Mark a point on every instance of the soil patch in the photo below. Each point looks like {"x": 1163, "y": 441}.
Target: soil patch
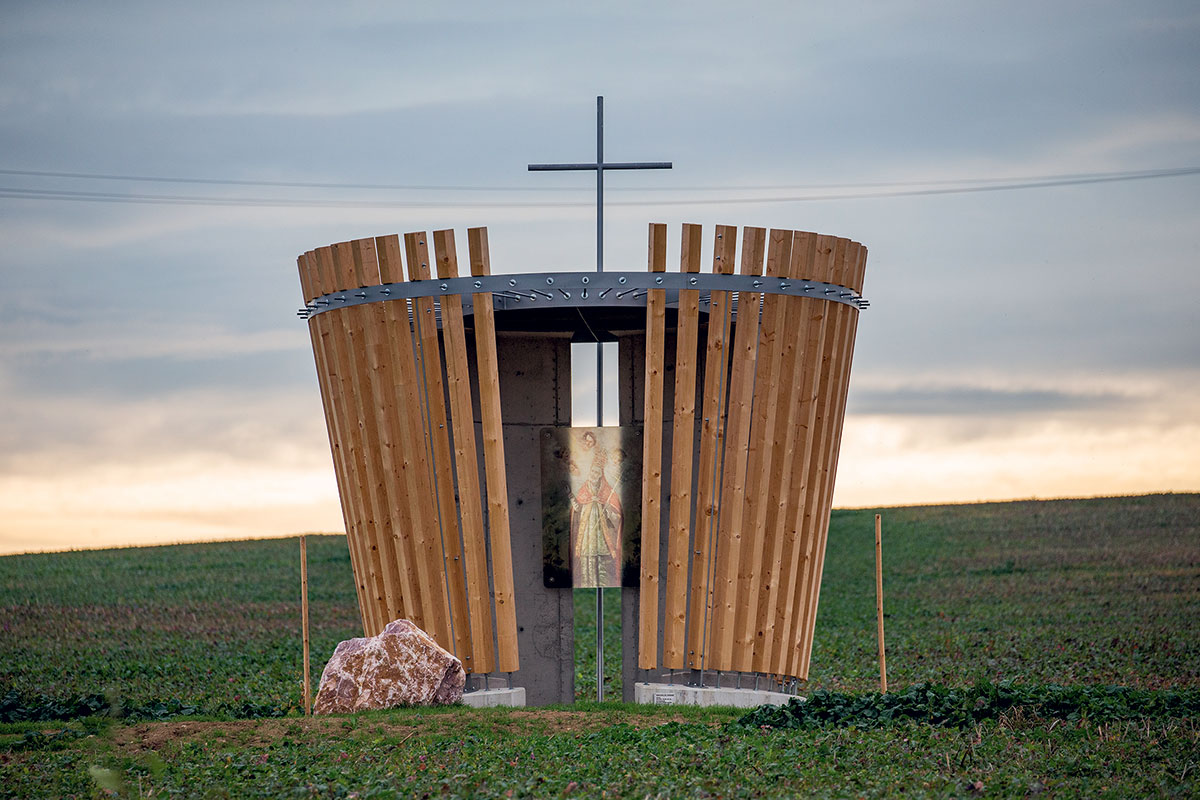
{"x": 263, "y": 732}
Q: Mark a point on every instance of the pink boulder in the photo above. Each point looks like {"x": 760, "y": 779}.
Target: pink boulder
{"x": 401, "y": 666}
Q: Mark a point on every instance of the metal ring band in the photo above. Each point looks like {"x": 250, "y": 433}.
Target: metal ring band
{"x": 556, "y": 289}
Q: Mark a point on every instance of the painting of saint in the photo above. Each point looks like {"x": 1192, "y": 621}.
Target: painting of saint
{"x": 596, "y": 518}
{"x": 591, "y": 505}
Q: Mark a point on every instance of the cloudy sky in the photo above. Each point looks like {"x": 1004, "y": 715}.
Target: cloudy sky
{"x": 1028, "y": 342}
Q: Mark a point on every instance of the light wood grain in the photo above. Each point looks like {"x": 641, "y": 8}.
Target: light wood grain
{"x": 334, "y": 420}
{"x": 736, "y": 450}
{"x": 398, "y": 598}
{"x": 424, "y": 537}
{"x": 712, "y": 434}
{"x": 404, "y": 527}
{"x": 462, "y": 424}
{"x": 432, "y": 403}
{"x": 846, "y": 361}
{"x": 756, "y": 570}
{"x": 683, "y": 435}
{"x": 879, "y": 601}
{"x": 808, "y": 315}
{"x": 802, "y": 510}
{"x": 304, "y": 623}
{"x": 493, "y": 455}
{"x": 656, "y": 310}
{"x": 778, "y": 460}
{"x": 338, "y": 348}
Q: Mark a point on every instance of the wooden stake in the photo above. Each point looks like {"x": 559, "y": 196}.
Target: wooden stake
{"x": 879, "y": 600}
{"x": 304, "y": 620}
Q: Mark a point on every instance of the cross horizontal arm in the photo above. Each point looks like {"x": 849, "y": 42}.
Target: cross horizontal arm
{"x": 607, "y": 166}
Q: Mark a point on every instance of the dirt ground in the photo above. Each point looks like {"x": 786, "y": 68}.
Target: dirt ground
{"x": 260, "y": 732}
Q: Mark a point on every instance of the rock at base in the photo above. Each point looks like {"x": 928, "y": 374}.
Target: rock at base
{"x": 401, "y": 666}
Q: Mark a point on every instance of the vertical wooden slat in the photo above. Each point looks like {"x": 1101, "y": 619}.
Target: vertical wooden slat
{"x": 334, "y": 418}
{"x": 432, "y": 403}
{"x": 423, "y": 537}
{"x": 465, "y": 456}
{"x": 808, "y": 510}
{"x": 682, "y": 439}
{"x": 813, "y": 517}
{"x": 781, "y": 445}
{"x": 399, "y": 592}
{"x": 340, "y": 350}
{"x": 736, "y": 450}
{"x": 656, "y": 310}
{"x": 403, "y": 525}
{"x": 806, "y": 315}
{"x": 350, "y": 436}
{"x": 846, "y": 357}
{"x": 493, "y": 456}
{"x": 755, "y": 569}
{"x": 712, "y": 432}
{"x": 811, "y": 417}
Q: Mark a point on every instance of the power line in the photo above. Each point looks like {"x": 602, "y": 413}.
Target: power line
{"x": 267, "y": 202}
{"x": 924, "y": 189}
{"x": 37, "y": 173}
{"x": 1070, "y": 176}
{"x": 993, "y": 187}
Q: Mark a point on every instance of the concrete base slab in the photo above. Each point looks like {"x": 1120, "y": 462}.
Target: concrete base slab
{"x": 489, "y": 698}
{"x": 678, "y": 694}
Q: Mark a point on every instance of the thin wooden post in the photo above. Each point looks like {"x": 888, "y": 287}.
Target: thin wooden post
{"x": 496, "y": 477}
{"x": 431, "y": 400}
{"x": 879, "y": 600}
{"x": 803, "y": 320}
{"x": 362, "y": 536}
{"x": 846, "y": 358}
{"x": 470, "y": 504}
{"x": 304, "y": 620}
{"x": 405, "y": 530}
{"x": 656, "y": 309}
{"x": 423, "y": 532}
{"x": 712, "y": 436}
{"x": 391, "y": 594}
{"x": 726, "y": 599}
{"x": 756, "y": 578}
{"x": 679, "y": 518}
{"x": 335, "y": 420}
{"x": 812, "y": 465}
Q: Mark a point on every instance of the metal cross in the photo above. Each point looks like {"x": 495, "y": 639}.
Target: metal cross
{"x": 600, "y": 166}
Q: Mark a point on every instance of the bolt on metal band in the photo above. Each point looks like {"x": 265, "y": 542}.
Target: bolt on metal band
{"x": 608, "y": 289}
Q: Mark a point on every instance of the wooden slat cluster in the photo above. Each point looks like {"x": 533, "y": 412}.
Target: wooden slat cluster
{"x": 751, "y": 485}
{"x": 398, "y": 405}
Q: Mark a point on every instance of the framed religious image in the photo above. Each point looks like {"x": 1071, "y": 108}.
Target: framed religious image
{"x": 591, "y": 506}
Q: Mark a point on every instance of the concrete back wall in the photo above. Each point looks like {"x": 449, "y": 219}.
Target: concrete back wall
{"x": 535, "y": 392}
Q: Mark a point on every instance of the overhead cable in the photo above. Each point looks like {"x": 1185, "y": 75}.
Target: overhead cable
{"x": 913, "y": 190}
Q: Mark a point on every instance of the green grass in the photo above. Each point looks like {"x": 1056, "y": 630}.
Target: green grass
{"x": 215, "y": 626}
{"x": 1080, "y": 593}
{"x": 585, "y": 644}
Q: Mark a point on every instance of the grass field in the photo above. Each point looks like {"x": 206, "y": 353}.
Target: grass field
{"x": 1083, "y": 593}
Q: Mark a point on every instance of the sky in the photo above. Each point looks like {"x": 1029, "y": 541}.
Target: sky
{"x": 157, "y": 386}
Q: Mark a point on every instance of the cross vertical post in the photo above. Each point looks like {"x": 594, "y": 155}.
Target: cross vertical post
{"x": 600, "y": 190}
{"x": 600, "y": 166}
